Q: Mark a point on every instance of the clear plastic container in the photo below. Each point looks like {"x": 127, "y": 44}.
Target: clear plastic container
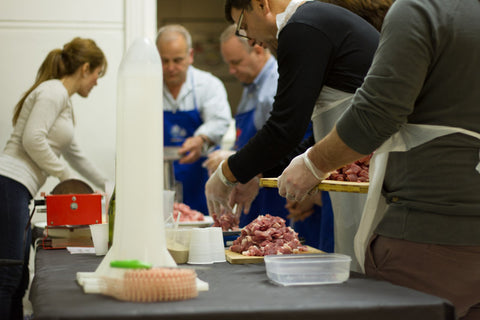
{"x": 307, "y": 269}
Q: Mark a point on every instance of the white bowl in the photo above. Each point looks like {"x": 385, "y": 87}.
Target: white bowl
{"x": 307, "y": 269}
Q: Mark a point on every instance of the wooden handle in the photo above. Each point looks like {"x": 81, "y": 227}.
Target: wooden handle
{"x": 325, "y": 185}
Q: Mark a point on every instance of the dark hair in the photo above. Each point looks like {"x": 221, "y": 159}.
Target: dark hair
{"x": 237, "y": 4}
{"x": 60, "y": 63}
{"x": 373, "y": 11}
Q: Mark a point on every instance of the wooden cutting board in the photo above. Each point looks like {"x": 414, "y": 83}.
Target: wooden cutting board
{"x": 237, "y": 258}
{"x": 326, "y": 185}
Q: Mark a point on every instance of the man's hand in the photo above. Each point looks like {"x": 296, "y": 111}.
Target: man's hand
{"x": 303, "y": 209}
{"x": 300, "y": 178}
{"x": 215, "y": 158}
{"x": 191, "y": 149}
{"x": 217, "y": 192}
{"x": 244, "y": 194}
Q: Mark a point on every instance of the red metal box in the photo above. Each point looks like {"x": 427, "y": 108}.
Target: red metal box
{"x": 73, "y": 209}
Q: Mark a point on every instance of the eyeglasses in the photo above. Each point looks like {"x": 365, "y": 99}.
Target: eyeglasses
{"x": 241, "y": 32}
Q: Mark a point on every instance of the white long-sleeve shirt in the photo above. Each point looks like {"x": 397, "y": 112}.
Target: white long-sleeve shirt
{"x": 44, "y": 132}
{"x": 207, "y": 93}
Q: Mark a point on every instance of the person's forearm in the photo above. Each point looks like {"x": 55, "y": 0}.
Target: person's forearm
{"x": 282, "y": 164}
{"x": 331, "y": 153}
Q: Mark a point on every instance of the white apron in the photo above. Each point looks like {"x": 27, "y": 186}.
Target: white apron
{"x": 409, "y": 136}
{"x": 347, "y": 207}
{"x": 330, "y": 105}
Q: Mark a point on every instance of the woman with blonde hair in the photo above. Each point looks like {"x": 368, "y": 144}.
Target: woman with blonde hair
{"x": 43, "y": 130}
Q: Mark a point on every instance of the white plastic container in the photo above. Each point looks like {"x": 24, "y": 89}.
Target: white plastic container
{"x": 307, "y": 269}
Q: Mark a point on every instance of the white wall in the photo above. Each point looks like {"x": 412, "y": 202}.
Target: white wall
{"x": 29, "y": 29}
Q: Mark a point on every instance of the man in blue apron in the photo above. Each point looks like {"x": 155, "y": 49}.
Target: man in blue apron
{"x": 256, "y": 68}
{"x": 196, "y": 112}
{"x": 418, "y": 109}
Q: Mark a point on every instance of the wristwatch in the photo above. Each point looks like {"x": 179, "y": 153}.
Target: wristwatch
{"x": 223, "y": 178}
{"x": 205, "y": 145}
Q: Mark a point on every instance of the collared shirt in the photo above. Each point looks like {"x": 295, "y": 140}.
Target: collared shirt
{"x": 203, "y": 91}
{"x": 260, "y": 93}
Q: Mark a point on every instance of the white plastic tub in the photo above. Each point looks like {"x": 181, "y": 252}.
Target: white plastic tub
{"x": 307, "y": 269}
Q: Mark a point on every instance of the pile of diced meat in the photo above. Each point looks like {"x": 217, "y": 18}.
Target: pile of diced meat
{"x": 228, "y": 222}
{"x": 187, "y": 214}
{"x": 267, "y": 235}
{"x": 355, "y": 172}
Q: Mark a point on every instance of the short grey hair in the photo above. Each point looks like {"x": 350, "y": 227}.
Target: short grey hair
{"x": 175, "y": 28}
{"x": 230, "y": 32}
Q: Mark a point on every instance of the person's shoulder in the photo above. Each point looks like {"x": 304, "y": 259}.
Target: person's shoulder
{"x": 269, "y": 84}
{"x": 52, "y": 85}
{"x": 326, "y": 16}
{"x": 423, "y": 15}
{"x": 202, "y": 73}
{"x": 428, "y": 8}
{"x": 202, "y": 77}
{"x": 319, "y": 9}
{"x": 52, "y": 89}
{"x": 272, "y": 65}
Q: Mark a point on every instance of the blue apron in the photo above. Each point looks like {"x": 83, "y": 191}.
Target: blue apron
{"x": 178, "y": 126}
{"x": 317, "y": 230}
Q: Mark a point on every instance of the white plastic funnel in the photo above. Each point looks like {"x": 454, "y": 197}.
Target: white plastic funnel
{"x": 139, "y": 231}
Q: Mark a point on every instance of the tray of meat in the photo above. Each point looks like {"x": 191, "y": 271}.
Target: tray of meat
{"x": 326, "y": 185}
{"x": 190, "y": 217}
{"x": 238, "y": 258}
{"x": 266, "y": 235}
{"x": 353, "y": 177}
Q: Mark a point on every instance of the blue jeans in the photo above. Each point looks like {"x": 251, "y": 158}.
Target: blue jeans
{"x": 14, "y": 245}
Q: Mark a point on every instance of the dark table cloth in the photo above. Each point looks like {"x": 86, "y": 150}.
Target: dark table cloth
{"x": 236, "y": 292}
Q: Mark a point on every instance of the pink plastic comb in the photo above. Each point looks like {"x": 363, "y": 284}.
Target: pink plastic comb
{"x": 151, "y": 285}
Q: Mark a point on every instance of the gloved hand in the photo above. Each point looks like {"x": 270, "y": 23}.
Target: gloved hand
{"x": 300, "y": 178}
{"x": 244, "y": 194}
{"x": 217, "y": 191}
{"x": 215, "y": 158}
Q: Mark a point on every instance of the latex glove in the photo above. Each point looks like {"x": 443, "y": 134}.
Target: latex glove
{"x": 303, "y": 209}
{"x": 215, "y": 158}
{"x": 191, "y": 149}
{"x": 217, "y": 192}
{"x": 300, "y": 178}
{"x": 244, "y": 194}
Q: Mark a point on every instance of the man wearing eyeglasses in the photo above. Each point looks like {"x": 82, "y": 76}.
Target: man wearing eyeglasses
{"x": 324, "y": 52}
{"x": 256, "y": 69}
{"x": 196, "y": 111}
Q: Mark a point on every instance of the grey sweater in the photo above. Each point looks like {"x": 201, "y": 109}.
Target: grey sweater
{"x": 425, "y": 71}
{"x": 44, "y": 132}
